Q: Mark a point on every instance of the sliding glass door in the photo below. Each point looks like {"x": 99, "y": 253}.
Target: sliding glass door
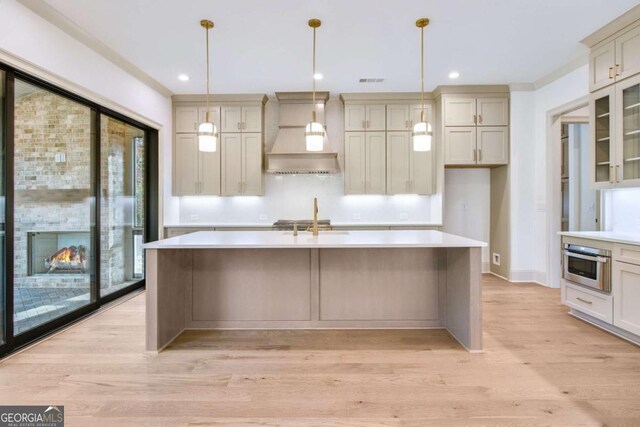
{"x": 54, "y": 225}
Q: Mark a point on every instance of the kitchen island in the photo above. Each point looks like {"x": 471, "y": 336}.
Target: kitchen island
{"x": 338, "y": 279}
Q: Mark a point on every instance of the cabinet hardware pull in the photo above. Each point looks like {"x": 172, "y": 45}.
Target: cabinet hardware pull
{"x": 584, "y": 300}
{"x": 611, "y": 172}
{"x": 406, "y": 124}
{"x": 244, "y": 125}
{"x": 617, "y": 69}
{"x": 479, "y": 118}
{"x": 364, "y": 124}
{"x": 475, "y": 119}
{"x": 479, "y": 154}
{"x": 239, "y": 126}
{"x": 475, "y": 155}
{"x": 367, "y": 122}
{"x": 610, "y": 72}
{"x": 195, "y": 125}
{"x": 617, "y": 173}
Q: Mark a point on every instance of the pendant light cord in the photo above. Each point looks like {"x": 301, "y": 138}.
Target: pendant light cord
{"x": 313, "y": 77}
{"x": 207, "y": 47}
{"x": 422, "y": 70}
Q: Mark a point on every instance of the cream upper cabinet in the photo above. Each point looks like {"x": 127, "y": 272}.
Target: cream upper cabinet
{"x": 241, "y": 158}
{"x": 231, "y": 119}
{"x": 376, "y": 181}
{"x": 354, "y": 117}
{"x": 459, "y": 111}
{"x": 398, "y": 162}
{"x": 602, "y": 66}
{"x": 626, "y": 296}
{"x": 493, "y": 145}
{"x": 601, "y": 129}
{"x": 355, "y": 159}
{"x": 416, "y": 115}
{"x": 251, "y": 119}
{"x": 186, "y": 119}
{"x": 398, "y": 117}
{"x": 627, "y": 134}
{"x": 628, "y": 54}
{"x": 460, "y": 146}
{"x": 492, "y": 111}
{"x": 214, "y": 115}
{"x": 195, "y": 173}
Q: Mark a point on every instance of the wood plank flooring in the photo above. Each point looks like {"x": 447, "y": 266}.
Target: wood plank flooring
{"x": 540, "y": 367}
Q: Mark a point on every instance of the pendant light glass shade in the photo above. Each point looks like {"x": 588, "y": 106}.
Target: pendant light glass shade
{"x": 314, "y": 136}
{"x": 422, "y": 136}
{"x": 207, "y": 137}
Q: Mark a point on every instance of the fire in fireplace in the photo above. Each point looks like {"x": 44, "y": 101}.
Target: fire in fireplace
{"x": 59, "y": 252}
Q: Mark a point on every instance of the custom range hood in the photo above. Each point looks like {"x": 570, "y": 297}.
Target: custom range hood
{"x": 289, "y": 154}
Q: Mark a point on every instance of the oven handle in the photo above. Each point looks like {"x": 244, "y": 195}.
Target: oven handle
{"x": 587, "y": 257}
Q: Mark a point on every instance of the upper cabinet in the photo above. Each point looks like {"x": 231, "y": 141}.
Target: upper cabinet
{"x": 365, "y": 117}
{"x": 475, "y": 129}
{"x": 365, "y": 163}
{"x": 236, "y": 167}
{"x": 615, "y": 58}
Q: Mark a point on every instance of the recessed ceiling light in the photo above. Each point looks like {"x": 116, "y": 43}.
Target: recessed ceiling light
{"x": 318, "y": 76}
{"x": 183, "y": 78}
{"x": 454, "y": 75}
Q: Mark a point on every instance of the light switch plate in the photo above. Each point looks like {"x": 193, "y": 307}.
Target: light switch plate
{"x": 496, "y": 258}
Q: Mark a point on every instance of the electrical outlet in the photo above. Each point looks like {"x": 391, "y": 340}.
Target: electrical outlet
{"x": 496, "y": 258}
{"x": 356, "y": 216}
{"x": 194, "y": 217}
{"x": 404, "y": 216}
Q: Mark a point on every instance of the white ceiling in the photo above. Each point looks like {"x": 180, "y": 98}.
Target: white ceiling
{"x": 265, "y": 45}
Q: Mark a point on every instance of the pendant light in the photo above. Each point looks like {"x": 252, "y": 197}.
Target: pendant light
{"x": 314, "y": 132}
{"x": 207, "y": 132}
{"x": 422, "y": 133}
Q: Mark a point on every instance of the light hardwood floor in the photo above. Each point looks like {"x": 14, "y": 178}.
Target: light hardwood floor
{"x": 541, "y": 367}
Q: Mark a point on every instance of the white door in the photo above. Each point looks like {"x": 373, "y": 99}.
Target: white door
{"x": 231, "y": 169}
{"x": 376, "y": 117}
{"x": 459, "y": 111}
{"x": 493, "y": 145}
{"x": 398, "y": 157}
{"x": 421, "y": 173}
{"x": 210, "y": 172}
{"x": 252, "y": 164}
{"x": 251, "y": 119}
{"x": 214, "y": 115}
{"x": 628, "y": 54}
{"x": 354, "y": 117}
{"x": 602, "y": 66}
{"x": 231, "y": 119}
{"x": 398, "y": 117}
{"x": 627, "y": 135}
{"x": 626, "y": 296}
{"x": 186, "y": 119}
{"x": 493, "y": 111}
{"x": 376, "y": 166}
{"x": 601, "y": 135}
{"x": 460, "y": 146}
{"x": 185, "y": 172}
{"x": 354, "y": 159}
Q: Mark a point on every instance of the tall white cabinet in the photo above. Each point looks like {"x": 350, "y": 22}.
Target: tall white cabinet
{"x": 236, "y": 167}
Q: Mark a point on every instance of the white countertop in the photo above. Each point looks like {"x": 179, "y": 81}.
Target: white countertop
{"x": 607, "y": 236}
{"x": 326, "y": 239}
{"x": 335, "y": 224}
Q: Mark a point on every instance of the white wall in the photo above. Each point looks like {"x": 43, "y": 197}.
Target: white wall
{"x": 30, "y": 38}
{"x": 623, "y": 210}
{"x": 467, "y": 205}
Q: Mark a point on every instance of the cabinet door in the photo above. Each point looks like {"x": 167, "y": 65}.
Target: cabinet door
{"x": 628, "y": 54}
{"x": 231, "y": 119}
{"x": 376, "y": 117}
{"x": 252, "y": 164}
{"x": 210, "y": 173}
{"x": 601, "y": 130}
{"x": 602, "y": 66}
{"x": 460, "y": 146}
{"x": 493, "y": 145}
{"x": 214, "y": 115}
{"x": 186, "y": 162}
{"x": 459, "y": 111}
{"x": 252, "y": 119}
{"x": 354, "y": 117}
{"x": 627, "y": 141}
{"x": 493, "y": 111}
{"x": 376, "y": 165}
{"x": 421, "y": 171}
{"x": 354, "y": 159}
{"x": 626, "y": 296}
{"x": 398, "y": 167}
{"x": 398, "y": 117}
{"x": 186, "y": 119}
{"x": 231, "y": 159}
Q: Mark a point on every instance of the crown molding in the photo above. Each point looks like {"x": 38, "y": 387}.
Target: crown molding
{"x": 620, "y": 23}
{"x": 562, "y": 71}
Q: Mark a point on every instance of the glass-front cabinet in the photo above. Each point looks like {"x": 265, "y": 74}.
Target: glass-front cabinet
{"x": 615, "y": 135}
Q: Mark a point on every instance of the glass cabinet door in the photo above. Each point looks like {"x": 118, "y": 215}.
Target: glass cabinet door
{"x": 629, "y": 140}
{"x": 602, "y": 119}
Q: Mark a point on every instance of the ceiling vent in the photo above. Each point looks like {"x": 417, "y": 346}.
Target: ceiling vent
{"x": 371, "y": 80}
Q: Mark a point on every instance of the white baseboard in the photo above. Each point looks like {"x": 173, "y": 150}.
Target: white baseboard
{"x": 486, "y": 267}
{"x": 531, "y": 276}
